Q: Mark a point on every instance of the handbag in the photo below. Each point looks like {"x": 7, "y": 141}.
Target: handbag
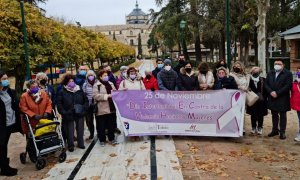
{"x": 95, "y": 104}
{"x": 251, "y": 98}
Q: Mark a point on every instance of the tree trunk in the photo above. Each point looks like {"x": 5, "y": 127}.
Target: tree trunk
{"x": 246, "y": 60}
{"x": 262, "y": 7}
{"x": 198, "y": 48}
{"x": 255, "y": 47}
{"x": 283, "y": 42}
{"x": 19, "y": 75}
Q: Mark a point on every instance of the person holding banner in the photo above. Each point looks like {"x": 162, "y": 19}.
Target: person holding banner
{"x": 259, "y": 109}
{"x": 133, "y": 81}
{"x": 159, "y": 66}
{"x": 150, "y": 81}
{"x": 167, "y": 77}
{"x": 122, "y": 76}
{"x": 106, "y": 111}
{"x": 224, "y": 81}
{"x": 241, "y": 78}
{"x": 278, "y": 85}
{"x": 205, "y": 78}
{"x": 187, "y": 80}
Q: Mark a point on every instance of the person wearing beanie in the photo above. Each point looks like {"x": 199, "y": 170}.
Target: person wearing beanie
{"x": 167, "y": 77}
{"x": 88, "y": 91}
{"x": 122, "y": 75}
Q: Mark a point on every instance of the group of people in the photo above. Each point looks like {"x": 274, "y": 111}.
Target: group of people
{"x": 88, "y": 96}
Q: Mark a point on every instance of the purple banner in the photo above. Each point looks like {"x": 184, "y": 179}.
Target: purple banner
{"x": 196, "y": 113}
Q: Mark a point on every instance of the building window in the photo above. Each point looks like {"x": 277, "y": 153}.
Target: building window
{"x": 120, "y": 32}
{"x": 131, "y": 42}
{"x": 131, "y": 33}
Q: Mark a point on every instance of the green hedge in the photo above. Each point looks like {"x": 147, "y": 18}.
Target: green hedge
{"x": 116, "y": 68}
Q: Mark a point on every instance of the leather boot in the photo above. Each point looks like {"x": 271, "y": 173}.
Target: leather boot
{"x": 6, "y": 170}
{"x": 282, "y": 135}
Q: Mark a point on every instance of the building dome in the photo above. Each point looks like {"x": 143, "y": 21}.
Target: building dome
{"x": 137, "y": 16}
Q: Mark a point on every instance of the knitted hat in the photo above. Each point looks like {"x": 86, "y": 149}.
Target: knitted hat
{"x": 123, "y": 68}
{"x": 167, "y": 62}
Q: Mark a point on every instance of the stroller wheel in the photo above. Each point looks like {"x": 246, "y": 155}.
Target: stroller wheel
{"x": 40, "y": 163}
{"x": 62, "y": 157}
{"x": 23, "y": 158}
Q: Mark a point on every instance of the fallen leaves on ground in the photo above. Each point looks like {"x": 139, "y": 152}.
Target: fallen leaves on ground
{"x": 128, "y": 161}
{"x": 179, "y": 154}
{"x": 214, "y": 166}
{"x": 143, "y": 176}
{"x": 143, "y": 147}
{"x": 158, "y": 150}
{"x": 133, "y": 176}
{"x": 71, "y": 160}
{"x": 95, "y": 178}
{"x": 112, "y": 155}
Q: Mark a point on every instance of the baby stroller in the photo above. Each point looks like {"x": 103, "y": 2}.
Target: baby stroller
{"x": 39, "y": 146}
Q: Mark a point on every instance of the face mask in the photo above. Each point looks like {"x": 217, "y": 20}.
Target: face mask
{"x": 106, "y": 78}
{"x": 91, "y": 78}
{"x": 236, "y": 70}
{"x": 34, "y": 90}
{"x": 4, "y": 83}
{"x": 203, "y": 72}
{"x": 277, "y": 67}
{"x": 188, "y": 70}
{"x": 132, "y": 76}
{"x": 124, "y": 74}
{"x": 71, "y": 84}
{"x": 82, "y": 72}
{"x": 160, "y": 66}
{"x": 255, "y": 75}
{"x": 148, "y": 76}
{"x": 167, "y": 68}
{"x": 43, "y": 82}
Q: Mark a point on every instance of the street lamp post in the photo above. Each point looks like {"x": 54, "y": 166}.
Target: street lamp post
{"x": 25, "y": 40}
{"x": 182, "y": 28}
{"x": 228, "y": 32}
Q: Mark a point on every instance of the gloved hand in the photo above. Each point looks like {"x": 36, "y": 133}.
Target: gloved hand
{"x": 46, "y": 115}
{"x": 37, "y": 117}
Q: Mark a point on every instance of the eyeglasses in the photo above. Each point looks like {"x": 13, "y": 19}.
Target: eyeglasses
{"x": 278, "y": 64}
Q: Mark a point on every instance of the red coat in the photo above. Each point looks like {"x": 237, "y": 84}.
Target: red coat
{"x": 151, "y": 83}
{"x": 295, "y": 97}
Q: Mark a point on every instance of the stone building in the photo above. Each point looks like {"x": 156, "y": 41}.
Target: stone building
{"x": 128, "y": 33}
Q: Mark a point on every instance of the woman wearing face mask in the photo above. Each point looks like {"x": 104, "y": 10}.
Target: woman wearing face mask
{"x": 122, "y": 76}
{"x": 81, "y": 76}
{"x": 224, "y": 81}
{"x": 240, "y": 77}
{"x": 72, "y": 104}
{"x": 9, "y": 122}
{"x": 259, "y": 109}
{"x": 295, "y": 100}
{"x": 35, "y": 103}
{"x": 133, "y": 81}
{"x": 187, "y": 80}
{"x": 205, "y": 77}
{"x": 42, "y": 78}
{"x": 106, "y": 114}
{"x": 88, "y": 91}
{"x": 220, "y": 63}
{"x": 150, "y": 81}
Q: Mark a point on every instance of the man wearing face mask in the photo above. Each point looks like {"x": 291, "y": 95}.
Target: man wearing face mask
{"x": 111, "y": 76}
{"x": 88, "y": 91}
{"x": 187, "y": 80}
{"x": 42, "y": 78}
{"x": 167, "y": 77}
{"x": 81, "y": 76}
{"x": 278, "y": 85}
{"x": 149, "y": 81}
{"x": 181, "y": 64}
{"x": 159, "y": 66}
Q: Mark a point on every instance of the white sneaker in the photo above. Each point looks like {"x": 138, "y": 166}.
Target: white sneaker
{"x": 253, "y": 131}
{"x": 297, "y": 138}
{"x": 259, "y": 131}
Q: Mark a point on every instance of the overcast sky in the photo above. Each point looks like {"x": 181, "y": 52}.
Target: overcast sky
{"x": 95, "y": 12}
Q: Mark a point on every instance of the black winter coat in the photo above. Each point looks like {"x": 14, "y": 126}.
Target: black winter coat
{"x": 260, "y": 107}
{"x": 187, "y": 83}
{"x": 282, "y": 86}
{"x": 155, "y": 72}
{"x": 15, "y": 106}
{"x": 227, "y": 82}
{"x": 66, "y": 101}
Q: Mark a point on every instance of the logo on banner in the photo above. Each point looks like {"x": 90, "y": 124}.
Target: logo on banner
{"x": 193, "y": 128}
{"x": 126, "y": 124}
